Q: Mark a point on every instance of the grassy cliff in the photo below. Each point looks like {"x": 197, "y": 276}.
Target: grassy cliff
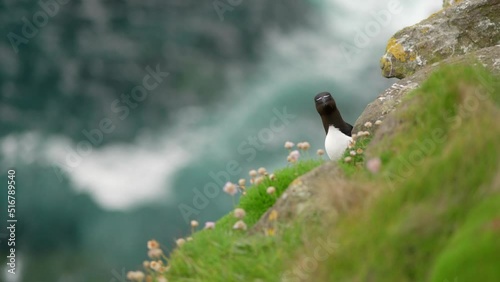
{"x": 437, "y": 217}
{"x": 433, "y": 213}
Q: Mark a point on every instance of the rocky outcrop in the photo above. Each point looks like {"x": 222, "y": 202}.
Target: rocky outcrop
{"x": 447, "y": 3}
{"x": 461, "y": 28}
{"x": 321, "y": 193}
{"x": 391, "y": 97}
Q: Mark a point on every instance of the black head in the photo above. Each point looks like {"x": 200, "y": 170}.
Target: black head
{"x": 330, "y": 115}
{"x": 325, "y": 104}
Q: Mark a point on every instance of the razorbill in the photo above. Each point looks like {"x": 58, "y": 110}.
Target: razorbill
{"x": 338, "y": 132}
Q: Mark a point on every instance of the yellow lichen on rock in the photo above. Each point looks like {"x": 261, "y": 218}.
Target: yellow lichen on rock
{"x": 447, "y": 3}
{"x": 386, "y": 66}
{"x": 413, "y": 56}
{"x": 396, "y": 49}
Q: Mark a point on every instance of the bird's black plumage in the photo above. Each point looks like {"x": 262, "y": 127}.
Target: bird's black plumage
{"x": 330, "y": 114}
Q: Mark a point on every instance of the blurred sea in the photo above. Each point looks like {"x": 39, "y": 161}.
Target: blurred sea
{"x": 107, "y": 147}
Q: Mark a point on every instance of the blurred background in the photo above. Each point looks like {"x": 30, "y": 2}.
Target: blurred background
{"x": 114, "y": 113}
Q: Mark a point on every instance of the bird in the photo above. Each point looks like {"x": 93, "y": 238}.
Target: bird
{"x": 338, "y": 132}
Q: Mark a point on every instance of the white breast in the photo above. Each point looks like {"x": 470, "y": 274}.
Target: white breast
{"x": 335, "y": 143}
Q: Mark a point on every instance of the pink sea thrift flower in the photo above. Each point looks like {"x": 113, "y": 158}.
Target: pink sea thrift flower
{"x": 209, "y": 225}
{"x": 373, "y": 165}
{"x": 230, "y": 188}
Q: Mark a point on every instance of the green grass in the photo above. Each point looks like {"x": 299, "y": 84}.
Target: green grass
{"x": 224, "y": 254}
{"x": 437, "y": 172}
{"x": 474, "y": 248}
{"x": 357, "y": 164}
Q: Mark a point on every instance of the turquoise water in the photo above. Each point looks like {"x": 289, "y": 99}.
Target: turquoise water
{"x": 230, "y": 82}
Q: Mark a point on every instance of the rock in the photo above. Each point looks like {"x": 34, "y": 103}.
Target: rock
{"x": 310, "y": 197}
{"x": 459, "y": 29}
{"x": 447, "y": 3}
{"x": 391, "y": 97}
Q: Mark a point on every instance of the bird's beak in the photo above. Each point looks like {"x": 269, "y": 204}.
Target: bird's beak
{"x": 323, "y": 99}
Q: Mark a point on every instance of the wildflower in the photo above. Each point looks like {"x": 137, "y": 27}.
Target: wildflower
{"x": 270, "y": 232}
{"x": 258, "y": 180}
{"x": 368, "y": 124}
{"x": 135, "y": 275}
{"x": 252, "y": 173}
{"x": 273, "y": 215}
{"x": 272, "y": 176}
{"x": 162, "y": 279}
{"x": 156, "y": 265}
{"x": 239, "y": 213}
{"x": 347, "y": 159}
{"x": 305, "y": 146}
{"x": 373, "y": 165}
{"x": 145, "y": 264}
{"x": 354, "y": 136}
{"x": 378, "y": 122}
{"x": 352, "y": 153}
{"x": 194, "y": 223}
{"x": 359, "y": 151}
{"x": 352, "y": 143}
{"x": 240, "y": 225}
{"x": 131, "y": 275}
{"x": 179, "y": 242}
{"x": 153, "y": 244}
{"x": 271, "y": 190}
{"x": 155, "y": 253}
{"x": 139, "y": 275}
{"x": 230, "y": 188}
{"x": 293, "y": 156}
{"x": 289, "y": 145}
{"x": 242, "y": 182}
{"x": 262, "y": 171}
{"x": 320, "y": 152}
{"x": 299, "y": 145}
{"x": 209, "y": 225}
